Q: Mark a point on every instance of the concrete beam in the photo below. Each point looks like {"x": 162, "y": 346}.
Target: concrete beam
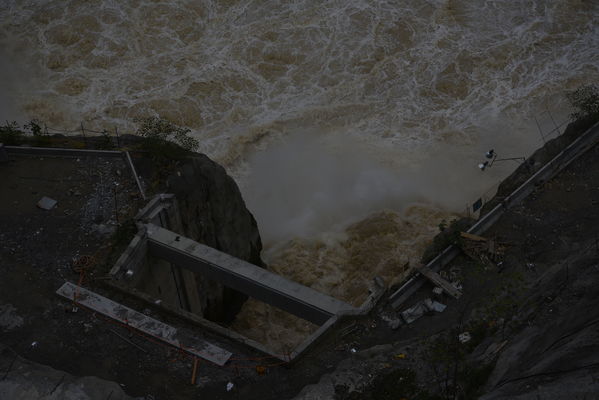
{"x": 242, "y": 276}
{"x": 143, "y": 323}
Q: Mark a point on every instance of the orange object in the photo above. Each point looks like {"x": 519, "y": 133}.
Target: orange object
{"x": 195, "y": 371}
{"x": 261, "y": 370}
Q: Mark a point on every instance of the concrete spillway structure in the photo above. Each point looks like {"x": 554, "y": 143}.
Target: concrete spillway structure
{"x": 244, "y": 277}
{"x": 162, "y": 267}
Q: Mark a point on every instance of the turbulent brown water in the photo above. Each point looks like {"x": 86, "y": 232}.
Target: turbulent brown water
{"x": 353, "y": 127}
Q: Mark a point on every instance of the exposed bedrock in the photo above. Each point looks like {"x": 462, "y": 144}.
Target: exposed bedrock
{"x": 214, "y": 213}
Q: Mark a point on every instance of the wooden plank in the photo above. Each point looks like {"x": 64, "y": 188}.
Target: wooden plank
{"x": 436, "y": 279}
{"x": 473, "y": 237}
{"x": 143, "y": 323}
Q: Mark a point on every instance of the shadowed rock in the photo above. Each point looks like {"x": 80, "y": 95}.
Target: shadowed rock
{"x": 214, "y": 213}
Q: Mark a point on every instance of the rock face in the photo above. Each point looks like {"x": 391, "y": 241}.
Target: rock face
{"x": 26, "y": 380}
{"x": 556, "y": 356}
{"x": 214, "y": 213}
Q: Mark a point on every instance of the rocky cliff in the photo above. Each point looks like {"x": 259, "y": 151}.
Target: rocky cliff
{"x": 26, "y": 380}
{"x": 214, "y": 213}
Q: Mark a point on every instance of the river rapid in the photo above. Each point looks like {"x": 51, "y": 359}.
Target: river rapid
{"x": 353, "y": 128}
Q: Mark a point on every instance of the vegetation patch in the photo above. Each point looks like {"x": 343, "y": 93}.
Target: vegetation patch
{"x": 448, "y": 235}
{"x": 585, "y": 101}
{"x": 10, "y": 134}
{"x": 165, "y": 140}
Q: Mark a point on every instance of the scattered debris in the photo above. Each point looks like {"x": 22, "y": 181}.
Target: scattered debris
{"x": 488, "y": 251}
{"x": 464, "y": 337}
{"x": 400, "y": 356}
{"x": 413, "y": 313}
{"x": 353, "y": 350}
{"x": 34, "y": 345}
{"x": 393, "y": 323}
{"x": 46, "y": 203}
{"x": 434, "y": 305}
{"x": 422, "y": 307}
{"x": 438, "y": 291}
{"x": 437, "y": 280}
{"x": 230, "y": 386}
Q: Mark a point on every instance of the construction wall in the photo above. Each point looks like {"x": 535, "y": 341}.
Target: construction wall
{"x": 158, "y": 278}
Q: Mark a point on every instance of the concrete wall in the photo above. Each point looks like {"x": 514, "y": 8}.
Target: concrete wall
{"x": 155, "y": 279}
{"x": 158, "y": 278}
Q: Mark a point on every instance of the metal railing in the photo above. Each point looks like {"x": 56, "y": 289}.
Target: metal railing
{"x": 472, "y": 209}
{"x": 112, "y": 135}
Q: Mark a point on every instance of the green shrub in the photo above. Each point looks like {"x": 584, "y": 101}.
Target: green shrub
{"x": 10, "y": 134}
{"x": 105, "y": 142}
{"x": 164, "y": 139}
{"x": 585, "y": 101}
{"x": 450, "y": 234}
{"x": 34, "y": 127}
{"x": 39, "y": 139}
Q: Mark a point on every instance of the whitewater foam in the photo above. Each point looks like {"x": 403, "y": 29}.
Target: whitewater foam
{"x": 370, "y": 109}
